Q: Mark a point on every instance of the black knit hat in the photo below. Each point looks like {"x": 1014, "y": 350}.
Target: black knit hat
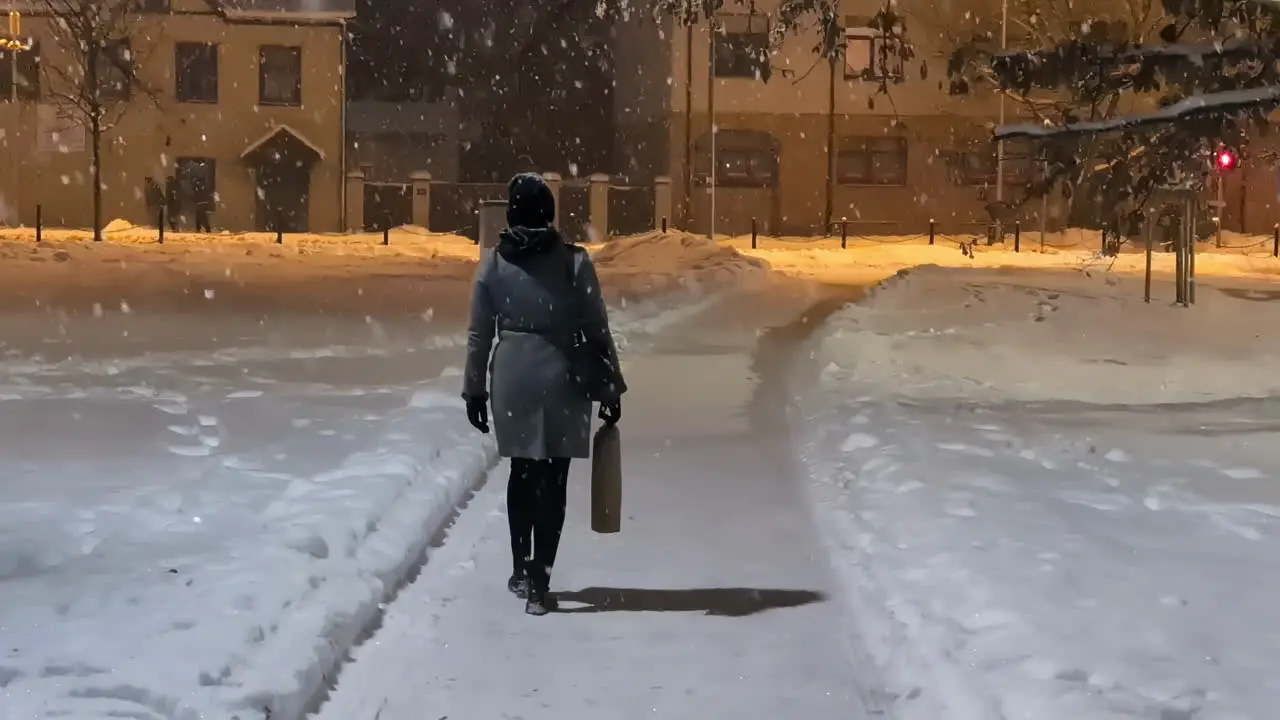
{"x": 530, "y": 202}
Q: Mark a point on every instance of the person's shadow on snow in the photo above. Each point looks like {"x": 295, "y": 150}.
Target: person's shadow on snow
{"x": 728, "y": 602}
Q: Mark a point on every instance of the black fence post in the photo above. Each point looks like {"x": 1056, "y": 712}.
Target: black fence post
{"x": 1017, "y": 236}
{"x": 160, "y": 226}
{"x": 754, "y": 234}
{"x": 39, "y": 222}
{"x": 664, "y": 223}
{"x": 844, "y": 233}
{"x": 1275, "y": 238}
{"x": 386, "y": 235}
{"x": 279, "y": 229}
{"x": 933, "y": 227}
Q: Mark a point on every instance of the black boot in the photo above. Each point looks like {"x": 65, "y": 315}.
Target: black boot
{"x": 539, "y": 601}
{"x": 518, "y": 584}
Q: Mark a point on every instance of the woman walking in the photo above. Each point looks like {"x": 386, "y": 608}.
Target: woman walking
{"x": 537, "y": 294}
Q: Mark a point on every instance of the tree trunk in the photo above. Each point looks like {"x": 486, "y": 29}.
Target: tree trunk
{"x": 94, "y": 54}
{"x": 95, "y": 137}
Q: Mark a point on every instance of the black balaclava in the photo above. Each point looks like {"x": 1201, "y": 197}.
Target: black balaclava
{"x": 531, "y": 208}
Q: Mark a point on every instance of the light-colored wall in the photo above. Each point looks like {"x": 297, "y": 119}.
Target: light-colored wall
{"x": 801, "y": 83}
{"x": 150, "y": 135}
{"x": 793, "y": 106}
{"x": 797, "y": 204}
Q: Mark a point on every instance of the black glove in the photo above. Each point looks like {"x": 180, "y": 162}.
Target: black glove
{"x": 478, "y": 412}
{"x": 611, "y": 412}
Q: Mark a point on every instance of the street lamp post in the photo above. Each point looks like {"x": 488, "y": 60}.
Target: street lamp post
{"x": 711, "y": 117}
{"x": 1004, "y": 44}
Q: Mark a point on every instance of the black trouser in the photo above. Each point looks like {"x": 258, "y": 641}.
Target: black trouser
{"x": 536, "y": 499}
{"x": 202, "y": 220}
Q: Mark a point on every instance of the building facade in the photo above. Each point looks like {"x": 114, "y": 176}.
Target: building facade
{"x": 238, "y": 109}
{"x": 901, "y": 158}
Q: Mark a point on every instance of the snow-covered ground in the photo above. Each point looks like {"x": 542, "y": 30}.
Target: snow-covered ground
{"x": 201, "y": 524}
{"x": 178, "y": 540}
{"x": 1049, "y": 500}
{"x": 1043, "y": 498}
{"x": 714, "y": 601}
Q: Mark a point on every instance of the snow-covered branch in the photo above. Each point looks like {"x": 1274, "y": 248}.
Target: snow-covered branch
{"x": 1231, "y": 101}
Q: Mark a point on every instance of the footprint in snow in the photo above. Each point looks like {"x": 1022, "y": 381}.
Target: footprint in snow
{"x": 859, "y": 441}
{"x": 1242, "y": 473}
{"x": 966, "y": 449}
{"x": 1116, "y": 455}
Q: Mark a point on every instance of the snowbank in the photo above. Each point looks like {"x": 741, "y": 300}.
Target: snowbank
{"x": 211, "y": 551}
{"x": 1025, "y": 522}
{"x": 870, "y": 258}
{"x": 343, "y": 274}
{"x": 1066, "y": 336}
{"x": 662, "y": 262}
{"x": 1002, "y": 563}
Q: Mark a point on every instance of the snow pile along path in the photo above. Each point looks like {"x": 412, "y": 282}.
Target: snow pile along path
{"x": 1086, "y": 337}
{"x": 1018, "y": 532}
{"x": 662, "y": 262}
{"x": 197, "y": 549}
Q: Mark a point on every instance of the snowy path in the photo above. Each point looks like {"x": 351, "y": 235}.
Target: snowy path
{"x": 714, "y": 601}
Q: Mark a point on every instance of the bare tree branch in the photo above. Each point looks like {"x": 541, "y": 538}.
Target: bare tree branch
{"x": 92, "y": 73}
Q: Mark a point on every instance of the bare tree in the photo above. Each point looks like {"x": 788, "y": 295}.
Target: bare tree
{"x": 91, "y": 71}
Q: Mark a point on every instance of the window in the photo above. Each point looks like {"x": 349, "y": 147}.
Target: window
{"x": 745, "y": 168}
{"x": 739, "y": 167}
{"x": 742, "y": 47}
{"x": 279, "y": 75}
{"x": 115, "y": 71}
{"x": 973, "y": 167}
{"x": 872, "y": 161}
{"x": 197, "y": 180}
{"x": 196, "y": 75}
{"x": 153, "y": 6}
{"x": 980, "y": 166}
{"x": 865, "y": 57}
{"x": 21, "y": 83}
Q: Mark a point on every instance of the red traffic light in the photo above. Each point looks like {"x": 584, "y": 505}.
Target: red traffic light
{"x": 1225, "y": 159}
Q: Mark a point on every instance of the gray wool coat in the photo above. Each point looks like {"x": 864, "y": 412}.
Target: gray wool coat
{"x": 530, "y": 309}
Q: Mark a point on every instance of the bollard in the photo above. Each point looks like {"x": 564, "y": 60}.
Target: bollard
{"x": 754, "y": 234}
{"x": 932, "y": 227}
{"x": 1275, "y": 236}
{"x": 492, "y": 218}
{"x": 664, "y": 224}
{"x": 386, "y": 235}
{"x": 160, "y": 226}
{"x": 39, "y": 222}
{"x": 844, "y": 233}
{"x": 1017, "y": 236}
